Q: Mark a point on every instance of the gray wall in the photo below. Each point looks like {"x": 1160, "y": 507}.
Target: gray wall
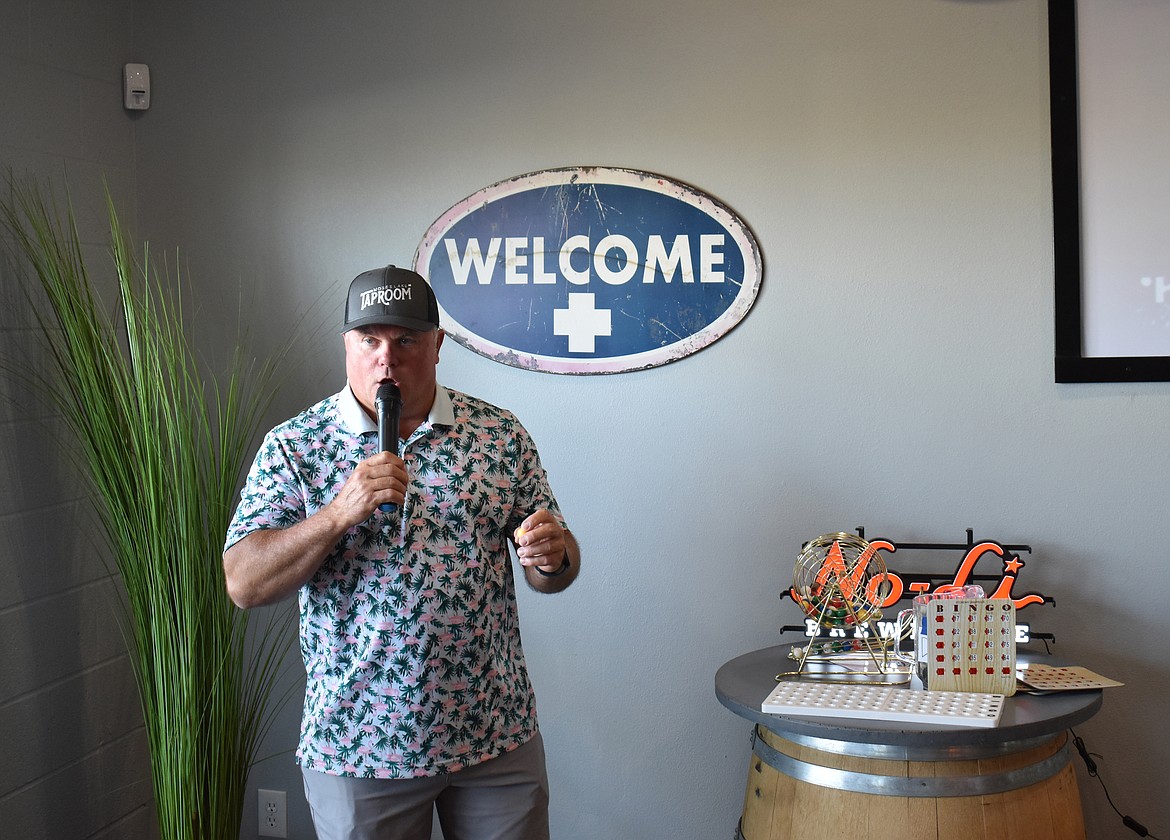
{"x": 70, "y": 727}
{"x": 896, "y": 371}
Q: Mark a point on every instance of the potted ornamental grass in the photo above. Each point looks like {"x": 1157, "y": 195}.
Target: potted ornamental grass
{"x": 162, "y": 443}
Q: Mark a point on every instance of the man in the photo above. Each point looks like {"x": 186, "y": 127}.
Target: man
{"x": 417, "y": 696}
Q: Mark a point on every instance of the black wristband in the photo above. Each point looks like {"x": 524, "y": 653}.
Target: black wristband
{"x": 564, "y": 567}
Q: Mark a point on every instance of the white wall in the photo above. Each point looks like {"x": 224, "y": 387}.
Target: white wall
{"x": 896, "y": 372}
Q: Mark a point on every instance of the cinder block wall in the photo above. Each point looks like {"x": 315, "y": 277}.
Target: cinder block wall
{"x": 76, "y": 763}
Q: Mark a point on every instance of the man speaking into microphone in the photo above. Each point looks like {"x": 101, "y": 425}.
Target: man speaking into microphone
{"x": 417, "y": 698}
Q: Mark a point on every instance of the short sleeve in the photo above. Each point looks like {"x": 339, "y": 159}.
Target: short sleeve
{"x": 532, "y": 490}
{"x": 272, "y": 496}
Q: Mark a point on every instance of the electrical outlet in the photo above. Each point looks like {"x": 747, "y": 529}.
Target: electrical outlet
{"x": 273, "y": 814}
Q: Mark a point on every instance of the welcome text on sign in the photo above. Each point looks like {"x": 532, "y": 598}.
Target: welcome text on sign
{"x": 659, "y": 261}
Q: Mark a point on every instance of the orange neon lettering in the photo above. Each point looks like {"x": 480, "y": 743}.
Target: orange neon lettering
{"x": 835, "y": 572}
{"x": 1004, "y": 589}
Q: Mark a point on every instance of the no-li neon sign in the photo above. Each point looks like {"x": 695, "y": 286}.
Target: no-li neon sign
{"x": 887, "y": 589}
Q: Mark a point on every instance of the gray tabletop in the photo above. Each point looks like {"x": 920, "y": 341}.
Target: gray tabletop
{"x": 742, "y": 684}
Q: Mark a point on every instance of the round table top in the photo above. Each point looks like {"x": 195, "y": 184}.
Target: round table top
{"x": 742, "y": 684}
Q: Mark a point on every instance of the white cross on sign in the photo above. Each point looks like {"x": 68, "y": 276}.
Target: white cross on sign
{"x": 582, "y": 322}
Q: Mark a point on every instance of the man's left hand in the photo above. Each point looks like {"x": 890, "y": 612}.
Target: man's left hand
{"x": 540, "y": 542}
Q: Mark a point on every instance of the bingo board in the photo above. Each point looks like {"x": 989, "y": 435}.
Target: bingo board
{"x": 969, "y": 644}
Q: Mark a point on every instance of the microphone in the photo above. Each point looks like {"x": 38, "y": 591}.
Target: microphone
{"x": 388, "y": 402}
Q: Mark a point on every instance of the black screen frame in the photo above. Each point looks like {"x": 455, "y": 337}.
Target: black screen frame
{"x": 1071, "y": 365}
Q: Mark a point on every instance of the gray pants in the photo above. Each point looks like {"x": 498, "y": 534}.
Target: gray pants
{"x": 504, "y": 798}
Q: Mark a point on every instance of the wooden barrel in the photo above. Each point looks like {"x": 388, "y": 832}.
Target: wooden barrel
{"x": 807, "y": 788}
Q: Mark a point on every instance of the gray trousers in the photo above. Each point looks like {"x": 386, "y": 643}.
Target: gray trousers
{"x": 504, "y": 798}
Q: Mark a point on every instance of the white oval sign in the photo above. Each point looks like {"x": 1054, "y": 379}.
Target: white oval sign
{"x": 589, "y": 270}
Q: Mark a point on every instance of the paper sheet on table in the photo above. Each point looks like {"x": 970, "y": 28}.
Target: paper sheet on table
{"x": 1062, "y": 678}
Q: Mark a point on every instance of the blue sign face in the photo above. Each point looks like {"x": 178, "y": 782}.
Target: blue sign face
{"x": 589, "y": 270}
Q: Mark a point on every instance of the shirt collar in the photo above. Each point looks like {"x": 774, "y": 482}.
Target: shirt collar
{"x": 354, "y": 418}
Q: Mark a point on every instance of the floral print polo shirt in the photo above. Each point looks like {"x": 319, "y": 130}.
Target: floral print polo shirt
{"x": 409, "y": 628}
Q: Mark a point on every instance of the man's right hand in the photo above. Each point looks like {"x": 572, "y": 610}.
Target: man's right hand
{"x": 378, "y": 480}
{"x": 269, "y": 565}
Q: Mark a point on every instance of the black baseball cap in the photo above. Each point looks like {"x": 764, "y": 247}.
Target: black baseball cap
{"x": 391, "y": 295}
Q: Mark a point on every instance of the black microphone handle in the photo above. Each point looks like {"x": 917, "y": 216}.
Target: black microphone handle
{"x": 388, "y": 402}
{"x": 389, "y": 415}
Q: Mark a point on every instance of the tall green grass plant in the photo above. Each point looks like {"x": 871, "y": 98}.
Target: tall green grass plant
{"x": 163, "y": 443}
